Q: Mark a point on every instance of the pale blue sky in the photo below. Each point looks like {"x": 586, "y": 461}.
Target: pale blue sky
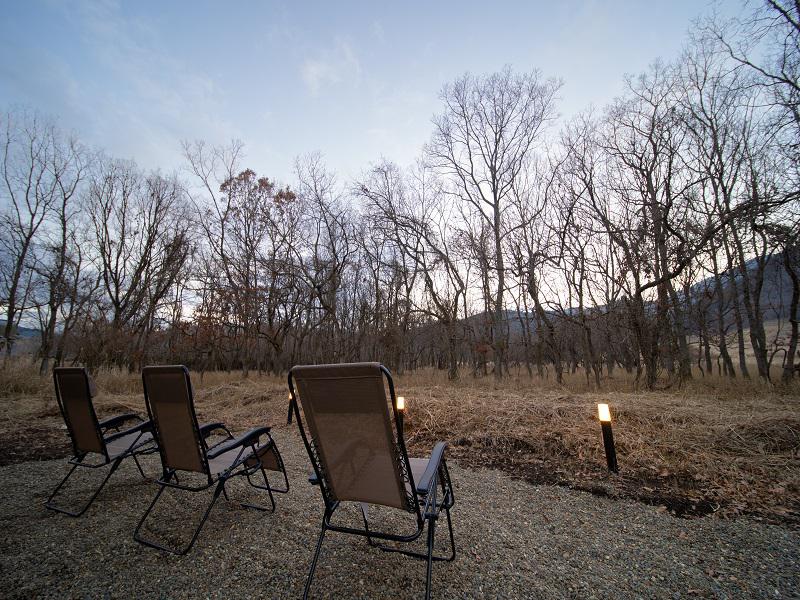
{"x": 356, "y": 81}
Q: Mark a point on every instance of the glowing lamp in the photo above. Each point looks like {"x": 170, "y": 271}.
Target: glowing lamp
{"x": 604, "y": 414}
{"x": 400, "y": 403}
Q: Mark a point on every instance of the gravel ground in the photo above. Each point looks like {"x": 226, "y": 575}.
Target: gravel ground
{"x": 514, "y": 540}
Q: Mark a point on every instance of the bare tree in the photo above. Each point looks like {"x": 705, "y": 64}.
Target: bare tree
{"x": 68, "y": 164}
{"x": 416, "y": 215}
{"x": 142, "y": 232}
{"x": 791, "y": 261}
{"x": 30, "y": 190}
{"x": 482, "y": 142}
{"x": 210, "y": 167}
{"x": 324, "y": 253}
{"x": 767, "y": 42}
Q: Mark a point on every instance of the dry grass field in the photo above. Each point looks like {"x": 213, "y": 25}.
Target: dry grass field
{"x": 727, "y": 448}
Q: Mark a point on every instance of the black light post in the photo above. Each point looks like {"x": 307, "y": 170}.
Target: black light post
{"x": 604, "y": 415}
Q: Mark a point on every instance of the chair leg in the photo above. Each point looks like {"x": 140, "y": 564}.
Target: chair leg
{"x": 285, "y": 489}
{"x": 267, "y": 487}
{"x": 314, "y": 561}
{"x": 431, "y": 534}
{"x": 448, "y": 502}
{"x": 58, "y": 487}
{"x": 144, "y": 517}
{"x": 217, "y": 491}
{"x": 220, "y": 487}
{"x": 452, "y": 537}
{"x": 424, "y": 555}
{"x": 139, "y": 466}
{"x": 49, "y": 504}
{"x": 366, "y": 524}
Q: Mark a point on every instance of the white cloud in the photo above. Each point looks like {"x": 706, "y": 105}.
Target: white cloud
{"x": 339, "y": 65}
{"x": 376, "y": 30}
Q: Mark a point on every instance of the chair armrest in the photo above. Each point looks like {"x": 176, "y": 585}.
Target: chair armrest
{"x": 208, "y": 428}
{"x": 246, "y": 439}
{"x": 143, "y": 426}
{"x": 118, "y": 420}
{"x": 429, "y": 476}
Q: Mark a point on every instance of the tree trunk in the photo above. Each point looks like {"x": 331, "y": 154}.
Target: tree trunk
{"x": 789, "y": 263}
{"x": 549, "y": 330}
{"x": 719, "y": 291}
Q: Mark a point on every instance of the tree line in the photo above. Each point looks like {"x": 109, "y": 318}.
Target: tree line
{"x": 649, "y": 235}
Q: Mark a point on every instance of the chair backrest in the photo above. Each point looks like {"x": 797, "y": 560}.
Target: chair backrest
{"x": 74, "y": 392}
{"x": 355, "y": 448}
{"x": 170, "y": 405}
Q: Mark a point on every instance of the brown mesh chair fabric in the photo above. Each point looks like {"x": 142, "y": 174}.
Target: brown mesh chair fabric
{"x": 169, "y": 398}
{"x": 183, "y": 446}
{"x": 264, "y": 454}
{"x": 269, "y": 458}
{"x": 74, "y": 391}
{"x": 354, "y": 438}
{"x": 224, "y": 461}
{"x": 126, "y": 443}
{"x": 348, "y": 417}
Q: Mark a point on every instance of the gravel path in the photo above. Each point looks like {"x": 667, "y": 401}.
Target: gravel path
{"x": 515, "y": 540}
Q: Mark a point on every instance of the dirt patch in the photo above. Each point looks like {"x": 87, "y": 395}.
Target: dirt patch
{"x": 685, "y": 501}
{"x": 37, "y": 441}
{"x": 551, "y": 460}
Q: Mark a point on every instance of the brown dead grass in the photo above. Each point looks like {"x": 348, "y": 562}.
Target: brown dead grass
{"x": 711, "y": 446}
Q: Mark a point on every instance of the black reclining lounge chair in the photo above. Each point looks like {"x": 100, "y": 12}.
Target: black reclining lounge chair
{"x": 101, "y": 440}
{"x": 356, "y": 446}
{"x": 183, "y": 447}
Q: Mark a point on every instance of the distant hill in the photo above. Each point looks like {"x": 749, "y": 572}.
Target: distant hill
{"x": 22, "y": 332}
{"x": 776, "y": 297}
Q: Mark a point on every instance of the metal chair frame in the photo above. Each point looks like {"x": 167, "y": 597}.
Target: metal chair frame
{"x": 238, "y": 467}
{"x": 426, "y": 513}
{"x": 79, "y": 457}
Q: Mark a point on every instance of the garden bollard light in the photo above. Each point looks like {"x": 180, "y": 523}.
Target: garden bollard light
{"x": 401, "y": 409}
{"x": 604, "y": 415}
